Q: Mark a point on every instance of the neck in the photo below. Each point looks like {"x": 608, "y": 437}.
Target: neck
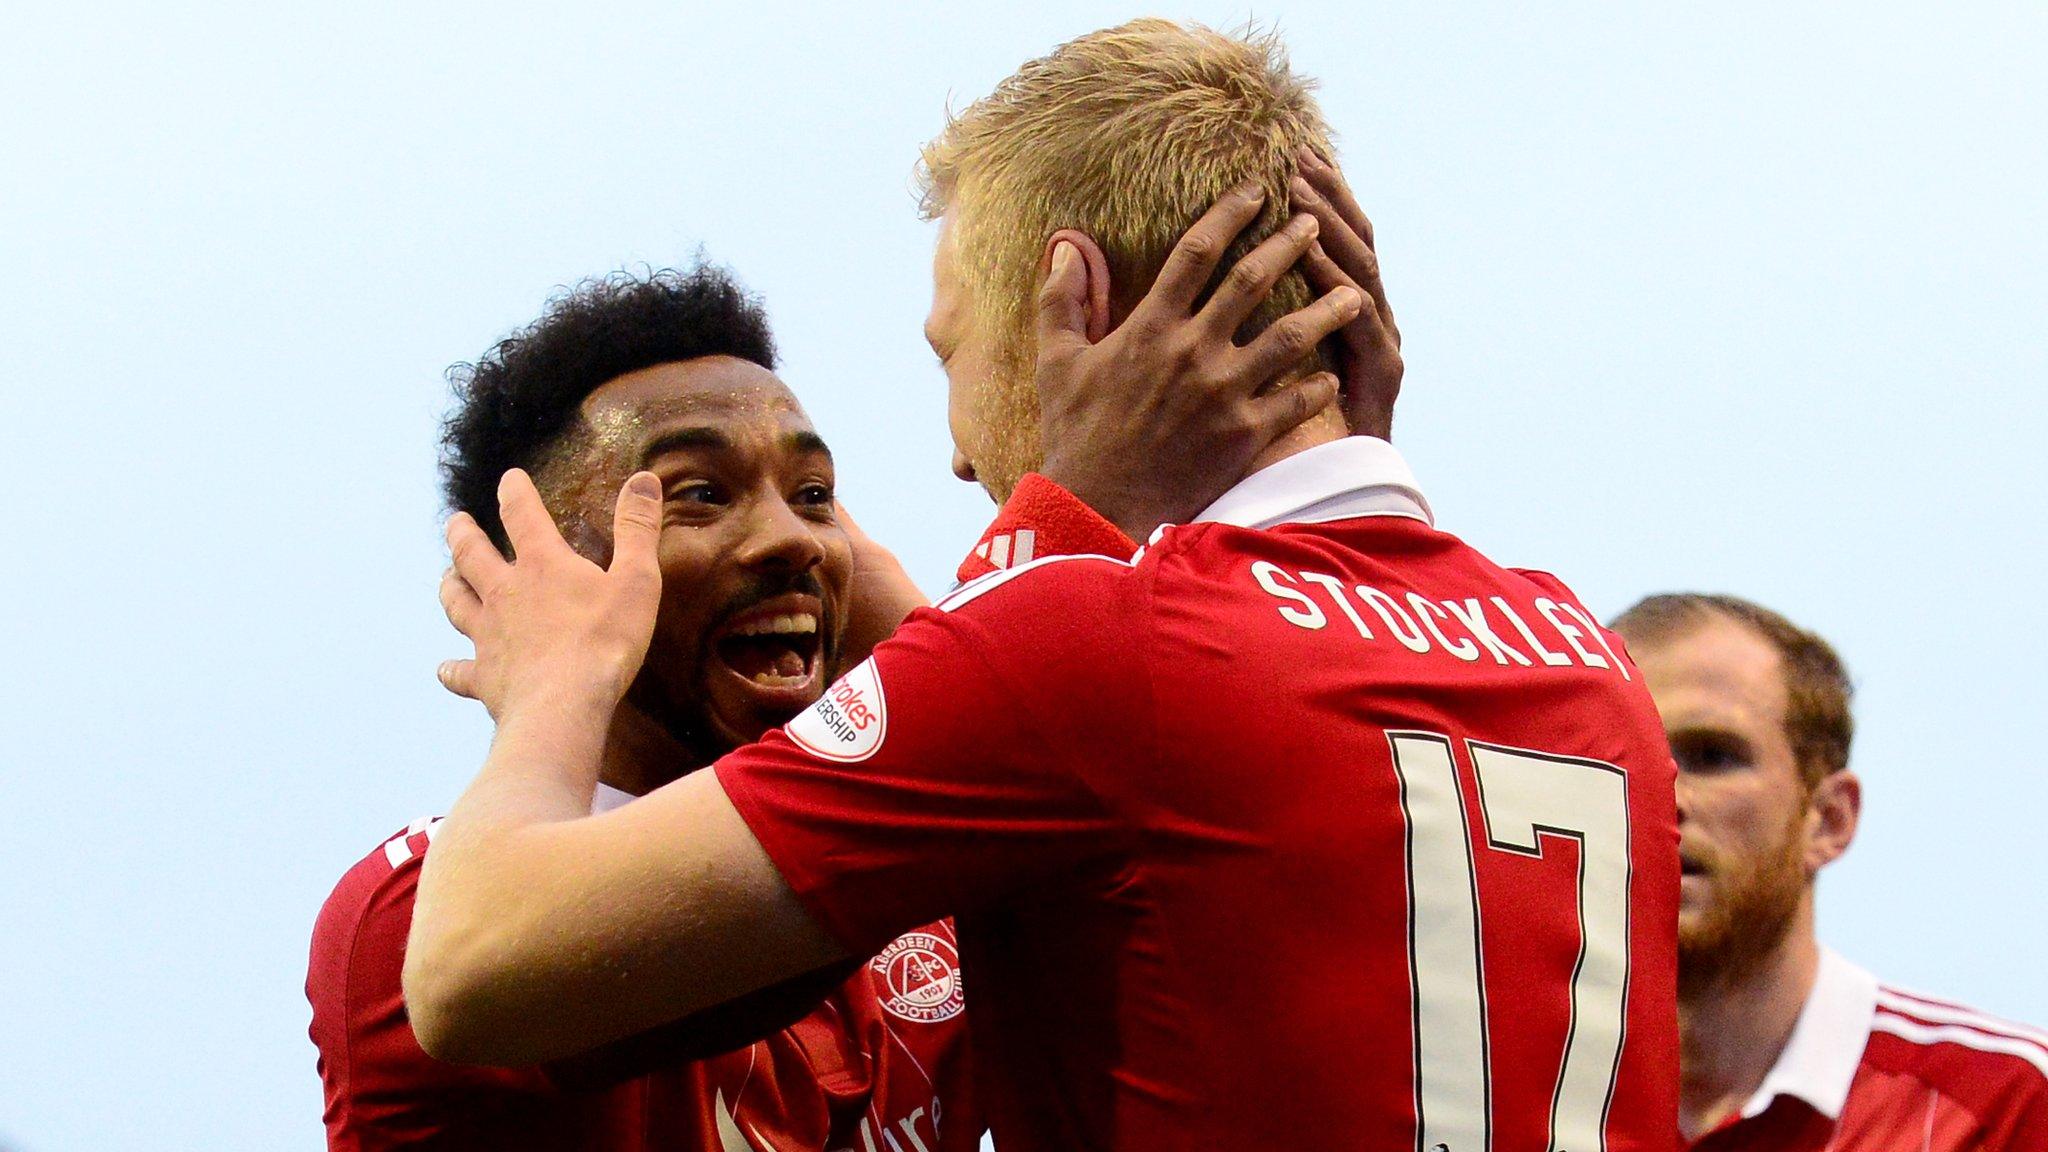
{"x": 1319, "y": 429}
{"x": 1732, "y": 1032}
{"x": 640, "y": 755}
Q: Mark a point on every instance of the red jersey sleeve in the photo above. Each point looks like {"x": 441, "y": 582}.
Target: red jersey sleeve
{"x": 954, "y": 766}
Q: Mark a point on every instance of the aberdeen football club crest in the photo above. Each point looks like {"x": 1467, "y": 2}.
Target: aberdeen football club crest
{"x": 917, "y": 977}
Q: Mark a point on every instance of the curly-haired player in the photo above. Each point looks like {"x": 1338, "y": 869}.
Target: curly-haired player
{"x": 671, "y": 373}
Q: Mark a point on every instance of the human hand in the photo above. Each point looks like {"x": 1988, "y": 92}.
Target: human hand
{"x": 879, "y": 595}
{"x": 1154, "y": 420}
{"x": 1343, "y": 256}
{"x": 552, "y": 629}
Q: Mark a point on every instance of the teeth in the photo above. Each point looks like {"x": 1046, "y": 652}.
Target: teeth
{"x": 799, "y": 624}
{"x": 771, "y": 680}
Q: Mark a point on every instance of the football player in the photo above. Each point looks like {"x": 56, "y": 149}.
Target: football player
{"x": 1786, "y": 1045}
{"x": 674, "y": 374}
{"x": 1305, "y": 823}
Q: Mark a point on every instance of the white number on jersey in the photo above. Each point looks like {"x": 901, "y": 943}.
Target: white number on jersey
{"x": 1523, "y": 797}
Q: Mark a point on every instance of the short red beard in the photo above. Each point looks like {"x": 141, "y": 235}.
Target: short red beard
{"x": 1752, "y": 907}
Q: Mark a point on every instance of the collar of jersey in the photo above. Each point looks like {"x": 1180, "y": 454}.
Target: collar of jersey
{"x": 1827, "y": 1044}
{"x": 607, "y": 798}
{"x": 1341, "y": 480}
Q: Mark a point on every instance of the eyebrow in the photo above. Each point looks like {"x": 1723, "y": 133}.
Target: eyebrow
{"x": 712, "y": 440}
{"x": 684, "y": 440}
{"x": 809, "y": 443}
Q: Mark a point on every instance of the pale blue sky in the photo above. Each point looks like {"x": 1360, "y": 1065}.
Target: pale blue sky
{"x": 1745, "y": 299}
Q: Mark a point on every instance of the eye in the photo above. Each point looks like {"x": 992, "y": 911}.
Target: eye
{"x": 1709, "y": 753}
{"x": 697, "y": 492}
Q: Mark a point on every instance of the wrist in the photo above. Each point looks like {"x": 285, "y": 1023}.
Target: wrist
{"x": 560, "y": 734}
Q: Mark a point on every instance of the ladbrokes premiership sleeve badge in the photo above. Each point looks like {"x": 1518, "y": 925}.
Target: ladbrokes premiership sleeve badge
{"x": 847, "y": 723}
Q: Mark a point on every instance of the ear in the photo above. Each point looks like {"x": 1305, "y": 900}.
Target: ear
{"x": 1096, "y": 267}
{"x": 1833, "y": 813}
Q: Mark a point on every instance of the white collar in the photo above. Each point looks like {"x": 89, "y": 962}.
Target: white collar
{"x": 1341, "y": 480}
{"x": 608, "y": 798}
{"x": 1820, "y": 1059}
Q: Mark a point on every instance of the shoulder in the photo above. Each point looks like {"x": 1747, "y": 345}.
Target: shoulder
{"x": 370, "y": 907}
{"x": 1996, "y": 1068}
{"x": 1548, "y": 581}
{"x": 1047, "y": 613}
{"x": 367, "y": 889}
{"x": 1048, "y": 578}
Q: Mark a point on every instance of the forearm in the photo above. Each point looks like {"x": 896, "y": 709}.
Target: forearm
{"x": 485, "y": 896}
{"x": 540, "y": 935}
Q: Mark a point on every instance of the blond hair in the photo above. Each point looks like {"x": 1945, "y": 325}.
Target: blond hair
{"x": 1128, "y": 135}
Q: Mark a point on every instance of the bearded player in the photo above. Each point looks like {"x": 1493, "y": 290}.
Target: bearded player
{"x": 672, "y": 374}
{"x": 1306, "y": 824}
{"x": 1788, "y": 1046}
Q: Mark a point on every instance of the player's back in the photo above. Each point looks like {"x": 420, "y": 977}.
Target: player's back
{"x": 1307, "y": 828}
{"x": 1414, "y": 831}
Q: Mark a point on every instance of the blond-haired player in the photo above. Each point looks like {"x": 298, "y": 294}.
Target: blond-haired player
{"x": 1219, "y": 820}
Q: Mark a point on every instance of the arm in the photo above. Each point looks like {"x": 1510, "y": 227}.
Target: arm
{"x": 540, "y": 934}
{"x": 642, "y": 915}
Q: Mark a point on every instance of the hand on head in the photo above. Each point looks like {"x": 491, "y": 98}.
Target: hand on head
{"x": 1153, "y": 420}
{"x": 1368, "y": 348}
{"x": 550, "y": 627}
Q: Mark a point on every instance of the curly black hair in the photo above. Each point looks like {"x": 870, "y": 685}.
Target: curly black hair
{"x": 516, "y": 404}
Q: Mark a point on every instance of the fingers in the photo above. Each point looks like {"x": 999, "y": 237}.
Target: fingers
{"x": 459, "y": 601}
{"x": 1342, "y": 242}
{"x": 1251, "y": 280}
{"x": 636, "y": 528}
{"x": 1322, "y": 272}
{"x": 527, "y": 523}
{"x": 1329, "y": 181}
{"x": 459, "y": 677}
{"x": 1277, "y": 413}
{"x": 1365, "y": 332}
{"x": 1293, "y": 336}
{"x": 477, "y": 559}
{"x": 1063, "y": 302}
{"x": 1187, "y": 268}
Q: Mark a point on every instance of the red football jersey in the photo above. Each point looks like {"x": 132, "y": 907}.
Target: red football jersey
{"x": 1309, "y": 827}
{"x": 879, "y": 1066}
{"x": 1870, "y": 1068}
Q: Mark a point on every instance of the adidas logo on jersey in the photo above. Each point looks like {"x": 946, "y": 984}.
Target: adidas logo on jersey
{"x": 1005, "y": 549}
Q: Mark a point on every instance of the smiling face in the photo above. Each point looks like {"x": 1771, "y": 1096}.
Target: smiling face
{"x": 1750, "y": 840}
{"x": 754, "y": 563}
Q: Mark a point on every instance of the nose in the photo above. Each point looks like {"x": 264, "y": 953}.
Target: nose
{"x": 779, "y": 540}
{"x": 1684, "y": 794}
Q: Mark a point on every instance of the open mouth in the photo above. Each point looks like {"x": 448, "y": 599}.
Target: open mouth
{"x": 774, "y": 647}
